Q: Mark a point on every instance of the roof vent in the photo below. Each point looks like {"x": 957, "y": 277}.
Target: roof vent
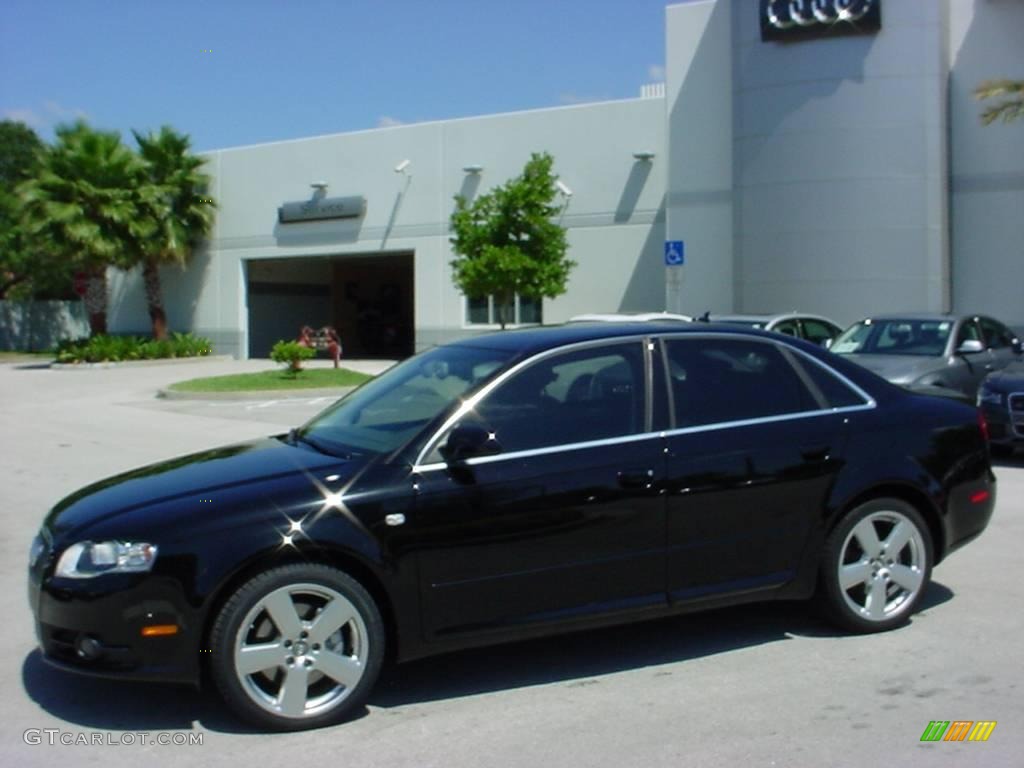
{"x": 652, "y": 91}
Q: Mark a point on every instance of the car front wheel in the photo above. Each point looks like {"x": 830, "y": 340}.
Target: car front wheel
{"x": 876, "y": 566}
{"x": 296, "y": 647}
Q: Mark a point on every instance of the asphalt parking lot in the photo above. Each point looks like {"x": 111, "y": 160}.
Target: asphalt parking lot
{"x": 754, "y": 686}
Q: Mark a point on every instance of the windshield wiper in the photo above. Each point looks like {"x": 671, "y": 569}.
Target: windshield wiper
{"x": 295, "y": 437}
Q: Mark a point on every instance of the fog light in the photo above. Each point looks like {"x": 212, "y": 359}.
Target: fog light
{"x": 88, "y": 648}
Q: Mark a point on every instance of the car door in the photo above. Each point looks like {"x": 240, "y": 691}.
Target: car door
{"x": 970, "y": 367}
{"x": 752, "y": 453}
{"x": 567, "y": 519}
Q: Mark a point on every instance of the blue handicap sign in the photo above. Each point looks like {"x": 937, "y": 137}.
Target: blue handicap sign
{"x": 675, "y": 254}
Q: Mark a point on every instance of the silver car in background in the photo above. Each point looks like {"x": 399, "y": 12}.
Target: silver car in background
{"x": 813, "y": 328}
{"x": 931, "y": 352}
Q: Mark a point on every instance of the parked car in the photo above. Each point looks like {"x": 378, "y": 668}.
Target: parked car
{"x": 509, "y": 486}
{"x": 814, "y": 328}
{"x": 1001, "y": 398}
{"x": 635, "y": 317}
{"x": 953, "y": 352}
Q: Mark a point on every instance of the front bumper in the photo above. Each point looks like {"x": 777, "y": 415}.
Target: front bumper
{"x": 94, "y": 626}
{"x": 1006, "y": 424}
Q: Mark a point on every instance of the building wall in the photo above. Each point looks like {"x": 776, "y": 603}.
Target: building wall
{"x": 841, "y": 171}
{"x": 615, "y": 217}
{"x": 699, "y": 110}
{"x": 845, "y": 176}
{"x": 986, "y": 42}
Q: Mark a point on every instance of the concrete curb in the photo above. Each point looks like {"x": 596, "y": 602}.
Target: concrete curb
{"x": 140, "y": 363}
{"x": 260, "y": 394}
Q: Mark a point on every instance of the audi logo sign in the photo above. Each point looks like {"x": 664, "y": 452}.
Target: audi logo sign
{"x": 322, "y": 208}
{"x": 807, "y": 19}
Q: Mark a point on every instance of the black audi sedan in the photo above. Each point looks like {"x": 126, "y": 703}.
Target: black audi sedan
{"x": 1001, "y": 399}
{"x": 508, "y": 486}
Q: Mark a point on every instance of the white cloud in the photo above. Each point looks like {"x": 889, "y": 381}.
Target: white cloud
{"x": 386, "y": 121}
{"x": 27, "y": 116}
{"x": 45, "y": 117}
{"x": 59, "y": 113}
{"x": 656, "y": 72}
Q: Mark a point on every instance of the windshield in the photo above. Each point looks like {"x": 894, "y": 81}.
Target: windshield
{"x": 384, "y": 413}
{"x": 926, "y": 338}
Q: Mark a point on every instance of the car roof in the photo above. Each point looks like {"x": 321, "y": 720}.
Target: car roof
{"x": 617, "y": 317}
{"x": 917, "y": 316}
{"x": 526, "y": 342}
{"x": 539, "y": 338}
{"x": 767, "y": 318}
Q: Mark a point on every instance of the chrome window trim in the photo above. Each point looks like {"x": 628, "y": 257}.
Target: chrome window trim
{"x": 545, "y": 450}
{"x": 469, "y": 405}
{"x": 419, "y": 467}
{"x": 645, "y": 436}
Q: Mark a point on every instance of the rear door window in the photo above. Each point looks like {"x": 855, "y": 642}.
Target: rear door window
{"x": 718, "y": 380}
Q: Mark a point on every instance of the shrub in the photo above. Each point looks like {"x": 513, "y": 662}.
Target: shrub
{"x": 291, "y": 353}
{"x": 104, "y": 348}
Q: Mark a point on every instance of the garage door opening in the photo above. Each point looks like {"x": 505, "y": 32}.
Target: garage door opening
{"x": 368, "y": 299}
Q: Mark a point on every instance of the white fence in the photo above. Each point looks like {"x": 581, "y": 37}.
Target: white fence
{"x": 38, "y": 325}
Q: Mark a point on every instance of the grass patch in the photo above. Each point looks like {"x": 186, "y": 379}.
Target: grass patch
{"x": 14, "y": 357}
{"x": 275, "y": 379}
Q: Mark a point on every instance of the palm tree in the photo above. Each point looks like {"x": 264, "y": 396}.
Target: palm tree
{"x": 84, "y": 201}
{"x": 1012, "y": 106}
{"x": 186, "y": 214}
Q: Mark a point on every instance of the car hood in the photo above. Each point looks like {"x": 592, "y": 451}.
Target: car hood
{"x": 899, "y": 369}
{"x": 1009, "y": 379}
{"x": 209, "y": 473}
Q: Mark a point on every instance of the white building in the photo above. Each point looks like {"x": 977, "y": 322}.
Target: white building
{"x": 843, "y": 174}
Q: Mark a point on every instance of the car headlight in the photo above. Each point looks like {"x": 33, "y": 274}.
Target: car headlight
{"x": 88, "y": 559}
{"x": 990, "y": 397}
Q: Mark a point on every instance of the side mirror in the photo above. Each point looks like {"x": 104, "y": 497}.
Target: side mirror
{"x": 468, "y": 440}
{"x": 1017, "y": 347}
{"x": 970, "y": 347}
{"x": 827, "y": 343}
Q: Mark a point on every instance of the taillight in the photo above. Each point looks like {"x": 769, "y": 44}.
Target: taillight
{"x": 983, "y": 425}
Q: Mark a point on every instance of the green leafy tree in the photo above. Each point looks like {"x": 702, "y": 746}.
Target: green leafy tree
{"x": 183, "y": 216}
{"x": 506, "y": 241}
{"x": 87, "y": 201}
{"x": 20, "y": 263}
{"x": 1011, "y": 106}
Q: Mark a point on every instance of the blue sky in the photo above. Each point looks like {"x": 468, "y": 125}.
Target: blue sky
{"x": 282, "y": 69}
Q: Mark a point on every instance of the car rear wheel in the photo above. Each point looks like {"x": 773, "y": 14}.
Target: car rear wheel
{"x": 876, "y": 566}
{"x": 297, "y": 647}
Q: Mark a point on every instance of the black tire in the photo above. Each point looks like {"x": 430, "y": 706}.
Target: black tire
{"x": 899, "y": 576}
{"x": 333, "y": 673}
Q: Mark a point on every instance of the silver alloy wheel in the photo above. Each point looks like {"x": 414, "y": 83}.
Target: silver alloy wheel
{"x": 301, "y": 650}
{"x": 882, "y": 566}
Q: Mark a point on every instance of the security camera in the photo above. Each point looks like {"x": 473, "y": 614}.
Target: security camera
{"x": 400, "y": 168}
{"x": 563, "y": 188}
